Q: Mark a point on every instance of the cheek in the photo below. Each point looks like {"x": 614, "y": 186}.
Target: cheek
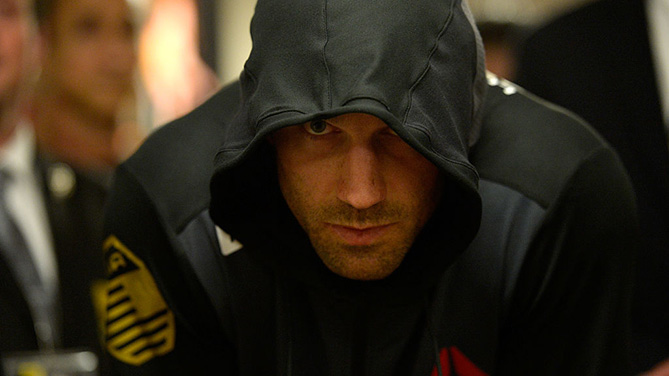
{"x": 304, "y": 182}
{"x": 296, "y": 194}
{"x": 306, "y": 188}
{"x": 75, "y": 58}
{"x": 11, "y": 50}
{"x": 416, "y": 183}
{"x": 13, "y": 64}
{"x": 300, "y": 171}
{"x": 80, "y": 63}
{"x": 60, "y": 66}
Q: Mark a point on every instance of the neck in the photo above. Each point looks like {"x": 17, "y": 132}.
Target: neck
{"x": 81, "y": 138}
{"x": 9, "y": 119}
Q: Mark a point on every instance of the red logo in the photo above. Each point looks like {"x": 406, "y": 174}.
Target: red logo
{"x": 455, "y": 363}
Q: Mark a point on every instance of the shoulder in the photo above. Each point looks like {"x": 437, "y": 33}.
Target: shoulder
{"x": 158, "y": 195}
{"x": 558, "y": 230}
{"x": 545, "y": 174}
{"x": 174, "y": 166}
{"x": 534, "y": 147}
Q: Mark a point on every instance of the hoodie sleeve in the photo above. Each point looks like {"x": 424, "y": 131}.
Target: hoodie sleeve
{"x": 569, "y": 314}
{"x": 157, "y": 319}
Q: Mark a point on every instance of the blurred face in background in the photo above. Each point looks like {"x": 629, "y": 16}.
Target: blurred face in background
{"x": 16, "y": 49}
{"x": 89, "y": 55}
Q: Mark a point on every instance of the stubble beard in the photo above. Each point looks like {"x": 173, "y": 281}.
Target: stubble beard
{"x": 359, "y": 262}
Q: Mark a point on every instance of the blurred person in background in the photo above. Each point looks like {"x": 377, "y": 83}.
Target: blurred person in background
{"x": 173, "y": 72}
{"x": 609, "y": 62}
{"x": 84, "y": 100}
{"x": 22, "y": 200}
{"x": 56, "y": 165}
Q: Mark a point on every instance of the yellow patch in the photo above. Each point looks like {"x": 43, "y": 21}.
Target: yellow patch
{"x": 99, "y": 298}
{"x": 31, "y": 369}
{"x": 139, "y": 326}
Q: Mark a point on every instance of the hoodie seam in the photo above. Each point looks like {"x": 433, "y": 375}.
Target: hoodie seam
{"x": 325, "y": 59}
{"x": 420, "y": 78}
{"x": 270, "y": 114}
{"x": 361, "y": 97}
{"x": 438, "y": 155}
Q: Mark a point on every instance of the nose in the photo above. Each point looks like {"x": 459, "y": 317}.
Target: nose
{"x": 119, "y": 55}
{"x": 361, "y": 183}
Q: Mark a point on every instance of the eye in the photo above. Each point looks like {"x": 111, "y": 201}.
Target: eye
{"x": 318, "y": 127}
{"x": 389, "y": 133}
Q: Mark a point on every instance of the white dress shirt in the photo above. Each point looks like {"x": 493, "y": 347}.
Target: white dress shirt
{"x": 25, "y": 201}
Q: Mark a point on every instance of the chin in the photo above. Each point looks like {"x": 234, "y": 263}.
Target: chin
{"x": 364, "y": 275}
{"x": 362, "y": 264}
{"x": 109, "y": 99}
{"x": 107, "y": 106}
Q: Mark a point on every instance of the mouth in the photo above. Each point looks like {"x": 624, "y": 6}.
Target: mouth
{"x": 360, "y": 235}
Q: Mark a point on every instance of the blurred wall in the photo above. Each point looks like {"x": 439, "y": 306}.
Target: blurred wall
{"x": 523, "y": 12}
{"x": 234, "y": 40}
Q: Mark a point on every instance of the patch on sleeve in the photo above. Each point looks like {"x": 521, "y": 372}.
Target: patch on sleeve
{"x": 139, "y": 326}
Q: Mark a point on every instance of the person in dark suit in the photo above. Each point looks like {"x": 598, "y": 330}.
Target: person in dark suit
{"x": 68, "y": 204}
{"x": 17, "y": 53}
{"x": 56, "y": 159}
{"x": 601, "y": 62}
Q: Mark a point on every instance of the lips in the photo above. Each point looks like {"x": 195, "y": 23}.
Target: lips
{"x": 361, "y": 236}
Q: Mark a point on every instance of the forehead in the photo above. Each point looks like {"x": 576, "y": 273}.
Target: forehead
{"x": 103, "y": 9}
{"x": 22, "y": 5}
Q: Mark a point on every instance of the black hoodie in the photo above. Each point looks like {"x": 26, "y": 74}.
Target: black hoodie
{"x": 522, "y": 269}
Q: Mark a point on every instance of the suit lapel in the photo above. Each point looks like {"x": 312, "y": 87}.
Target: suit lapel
{"x": 75, "y": 216}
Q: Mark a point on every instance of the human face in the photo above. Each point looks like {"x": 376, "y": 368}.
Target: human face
{"x": 359, "y": 191}
{"x": 16, "y": 44}
{"x": 90, "y": 53}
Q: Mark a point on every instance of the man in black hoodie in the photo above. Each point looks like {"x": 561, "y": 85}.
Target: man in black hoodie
{"x": 358, "y": 205}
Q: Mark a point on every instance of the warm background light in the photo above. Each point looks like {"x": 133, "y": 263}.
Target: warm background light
{"x": 173, "y": 73}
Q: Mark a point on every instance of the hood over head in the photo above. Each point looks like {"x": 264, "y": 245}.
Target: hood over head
{"x": 417, "y": 65}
